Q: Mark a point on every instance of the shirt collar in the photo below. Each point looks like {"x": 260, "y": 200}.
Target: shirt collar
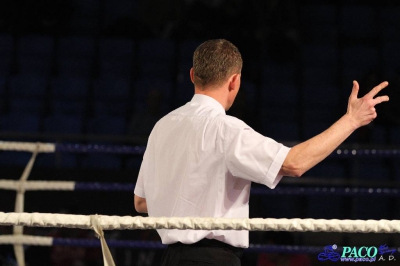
{"x": 209, "y": 101}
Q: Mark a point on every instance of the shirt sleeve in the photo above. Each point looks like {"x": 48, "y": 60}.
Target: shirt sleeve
{"x": 139, "y": 187}
{"x": 252, "y": 156}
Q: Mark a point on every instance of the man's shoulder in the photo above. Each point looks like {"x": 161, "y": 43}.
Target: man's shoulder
{"x": 232, "y": 121}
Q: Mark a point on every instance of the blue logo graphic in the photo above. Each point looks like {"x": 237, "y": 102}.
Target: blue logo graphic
{"x": 383, "y": 249}
{"x": 329, "y": 254}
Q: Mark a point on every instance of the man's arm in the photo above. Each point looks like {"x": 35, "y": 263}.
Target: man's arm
{"x": 140, "y": 204}
{"x": 360, "y": 112}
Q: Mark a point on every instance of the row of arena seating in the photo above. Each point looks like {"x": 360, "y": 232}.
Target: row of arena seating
{"x": 89, "y": 56}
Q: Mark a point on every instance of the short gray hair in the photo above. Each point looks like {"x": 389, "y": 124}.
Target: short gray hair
{"x": 214, "y": 61}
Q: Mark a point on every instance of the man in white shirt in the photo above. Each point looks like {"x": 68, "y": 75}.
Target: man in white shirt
{"x": 199, "y": 162}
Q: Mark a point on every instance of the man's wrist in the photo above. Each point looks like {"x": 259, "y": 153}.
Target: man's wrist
{"x": 349, "y": 120}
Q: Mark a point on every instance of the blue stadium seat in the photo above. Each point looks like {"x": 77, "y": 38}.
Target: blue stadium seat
{"x": 326, "y": 207}
{"x": 156, "y": 49}
{"x": 69, "y": 88}
{"x": 21, "y": 122}
{"x": 116, "y": 57}
{"x": 134, "y": 163}
{"x": 2, "y": 94}
{"x": 63, "y": 124}
{"x": 320, "y": 87}
{"x": 107, "y": 125}
{"x": 318, "y": 114}
{"x": 395, "y": 135}
{"x": 75, "y": 56}
{"x": 35, "y": 54}
{"x": 2, "y": 85}
{"x": 278, "y": 86}
{"x": 249, "y": 89}
{"x": 71, "y": 107}
{"x": 6, "y": 52}
{"x": 185, "y": 92}
{"x": 144, "y": 86}
{"x": 27, "y": 93}
{"x": 35, "y": 45}
{"x": 111, "y": 88}
{"x": 281, "y": 130}
{"x": 12, "y": 158}
{"x": 374, "y": 170}
{"x": 184, "y": 86}
{"x": 280, "y": 93}
{"x": 396, "y": 163}
{"x": 28, "y": 86}
{"x": 378, "y": 134}
{"x": 281, "y": 206}
{"x": 157, "y": 58}
{"x": 101, "y": 161}
{"x": 372, "y": 207}
{"x": 69, "y": 95}
{"x": 327, "y": 169}
{"x": 119, "y": 108}
{"x": 24, "y": 105}
{"x": 111, "y": 95}
{"x": 312, "y": 126}
{"x": 57, "y": 160}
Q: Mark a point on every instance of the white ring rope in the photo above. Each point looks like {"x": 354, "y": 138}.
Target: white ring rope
{"x": 19, "y": 205}
{"x": 200, "y": 223}
{"x": 26, "y": 240}
{"x": 37, "y": 185}
{"x": 27, "y": 146}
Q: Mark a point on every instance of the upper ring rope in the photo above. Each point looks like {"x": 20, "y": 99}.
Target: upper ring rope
{"x": 200, "y": 223}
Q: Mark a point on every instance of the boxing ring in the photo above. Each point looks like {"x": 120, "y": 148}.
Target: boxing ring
{"x": 98, "y": 223}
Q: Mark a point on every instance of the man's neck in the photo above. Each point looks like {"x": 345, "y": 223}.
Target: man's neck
{"x": 218, "y": 94}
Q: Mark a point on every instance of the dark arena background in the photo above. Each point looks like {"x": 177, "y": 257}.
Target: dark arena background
{"x": 97, "y": 74}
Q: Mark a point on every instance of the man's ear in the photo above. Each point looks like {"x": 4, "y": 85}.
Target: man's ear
{"x": 192, "y": 75}
{"x": 234, "y": 83}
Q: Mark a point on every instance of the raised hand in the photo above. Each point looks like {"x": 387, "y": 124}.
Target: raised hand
{"x": 362, "y": 110}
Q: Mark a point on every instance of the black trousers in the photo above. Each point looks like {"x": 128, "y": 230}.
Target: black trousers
{"x": 206, "y": 252}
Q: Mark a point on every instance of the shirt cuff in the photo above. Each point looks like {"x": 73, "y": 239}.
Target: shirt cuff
{"x": 272, "y": 176}
{"x": 139, "y": 192}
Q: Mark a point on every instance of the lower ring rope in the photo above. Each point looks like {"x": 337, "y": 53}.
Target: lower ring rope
{"x": 137, "y": 244}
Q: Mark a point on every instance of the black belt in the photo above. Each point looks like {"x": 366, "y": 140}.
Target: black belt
{"x": 212, "y": 243}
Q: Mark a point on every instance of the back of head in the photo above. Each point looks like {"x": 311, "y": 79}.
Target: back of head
{"x": 214, "y": 61}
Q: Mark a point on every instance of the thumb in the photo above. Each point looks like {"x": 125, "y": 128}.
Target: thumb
{"x": 354, "y": 92}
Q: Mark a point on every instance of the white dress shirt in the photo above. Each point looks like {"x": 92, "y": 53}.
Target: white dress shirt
{"x": 200, "y": 162}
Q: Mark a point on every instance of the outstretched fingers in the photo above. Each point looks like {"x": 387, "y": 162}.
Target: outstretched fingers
{"x": 377, "y": 89}
{"x": 381, "y": 99}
